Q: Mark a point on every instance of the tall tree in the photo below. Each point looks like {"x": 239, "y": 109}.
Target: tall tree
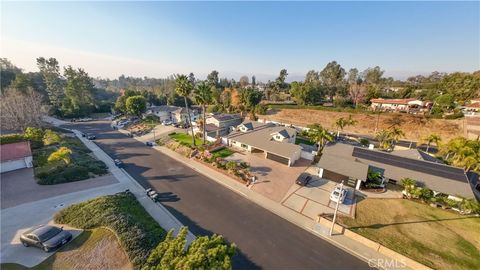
{"x": 243, "y": 81}
{"x": 356, "y": 88}
{"x": 184, "y": 87}
{"x": 203, "y": 96}
{"x": 79, "y": 93}
{"x": 432, "y": 138}
{"x": 320, "y": 135}
{"x": 341, "y": 123}
{"x": 8, "y": 72}
{"x": 254, "y": 81}
{"x": 50, "y": 70}
{"x": 212, "y": 78}
{"x": 21, "y": 110}
{"x": 333, "y": 78}
{"x": 136, "y": 105}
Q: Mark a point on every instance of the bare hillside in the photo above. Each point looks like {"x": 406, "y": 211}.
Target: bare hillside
{"x": 415, "y": 127}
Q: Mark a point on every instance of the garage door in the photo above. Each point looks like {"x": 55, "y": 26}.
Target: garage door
{"x": 277, "y": 158}
{"x": 12, "y": 165}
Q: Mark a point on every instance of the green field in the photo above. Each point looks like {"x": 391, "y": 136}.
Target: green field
{"x": 185, "y": 139}
{"x": 437, "y": 238}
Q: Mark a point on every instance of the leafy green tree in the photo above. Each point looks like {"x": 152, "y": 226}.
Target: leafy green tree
{"x": 461, "y": 86}
{"x": 203, "y": 96}
{"x": 203, "y": 253}
{"x": 8, "y": 72}
{"x": 62, "y": 154}
{"x": 333, "y": 78}
{"x": 409, "y": 185}
{"x": 320, "y": 135}
{"x": 50, "y": 70}
{"x": 79, "y": 93}
{"x": 184, "y": 87}
{"x": 136, "y": 105}
{"x": 21, "y": 83}
{"x": 445, "y": 102}
{"x": 212, "y": 78}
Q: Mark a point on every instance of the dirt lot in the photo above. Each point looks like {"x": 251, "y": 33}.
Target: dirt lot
{"x": 415, "y": 127}
{"x": 437, "y": 238}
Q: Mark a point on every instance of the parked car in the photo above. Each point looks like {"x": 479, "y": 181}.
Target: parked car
{"x": 91, "y": 137}
{"x": 150, "y": 144}
{"x": 46, "y": 237}
{"x": 303, "y": 179}
{"x": 152, "y": 194}
{"x": 118, "y": 163}
{"x": 84, "y": 135}
{"x": 335, "y": 196}
{"x": 167, "y": 122}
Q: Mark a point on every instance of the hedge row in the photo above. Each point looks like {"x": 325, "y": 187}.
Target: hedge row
{"x": 138, "y": 232}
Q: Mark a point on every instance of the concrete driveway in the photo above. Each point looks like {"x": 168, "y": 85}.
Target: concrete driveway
{"x": 314, "y": 199}
{"x": 274, "y": 178}
{"x": 19, "y": 187}
{"x": 15, "y": 220}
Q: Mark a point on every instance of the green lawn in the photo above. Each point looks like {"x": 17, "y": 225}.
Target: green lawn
{"x": 299, "y": 140}
{"x": 138, "y": 232}
{"x": 437, "y": 238}
{"x": 223, "y": 153}
{"x": 79, "y": 253}
{"x": 185, "y": 139}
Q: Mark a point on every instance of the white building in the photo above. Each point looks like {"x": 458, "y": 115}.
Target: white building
{"x": 15, "y": 156}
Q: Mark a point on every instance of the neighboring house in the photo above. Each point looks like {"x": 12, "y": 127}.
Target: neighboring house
{"x": 15, "y": 156}
{"x": 220, "y": 125}
{"x": 276, "y": 142}
{"x": 473, "y": 108}
{"x": 172, "y": 113}
{"x": 351, "y": 164}
{"x": 398, "y": 105}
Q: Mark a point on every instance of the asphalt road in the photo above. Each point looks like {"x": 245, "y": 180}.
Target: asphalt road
{"x": 264, "y": 240}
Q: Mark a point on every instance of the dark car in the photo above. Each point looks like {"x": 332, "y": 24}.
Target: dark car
{"x": 84, "y": 135}
{"x": 150, "y": 144}
{"x": 91, "y": 137}
{"x": 46, "y": 237}
{"x": 303, "y": 179}
{"x": 118, "y": 163}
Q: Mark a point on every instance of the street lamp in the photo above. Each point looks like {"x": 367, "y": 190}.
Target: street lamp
{"x": 336, "y": 208}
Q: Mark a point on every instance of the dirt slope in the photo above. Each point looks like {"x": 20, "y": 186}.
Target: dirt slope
{"x": 415, "y": 127}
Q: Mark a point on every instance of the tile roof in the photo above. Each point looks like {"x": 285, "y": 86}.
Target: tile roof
{"x": 404, "y": 101}
{"x": 14, "y": 151}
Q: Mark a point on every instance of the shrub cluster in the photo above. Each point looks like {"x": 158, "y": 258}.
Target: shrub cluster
{"x": 11, "y": 138}
{"x": 138, "y": 232}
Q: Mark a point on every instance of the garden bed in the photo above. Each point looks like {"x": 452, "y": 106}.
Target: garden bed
{"x": 137, "y": 231}
{"x": 83, "y": 165}
{"x": 184, "y": 139}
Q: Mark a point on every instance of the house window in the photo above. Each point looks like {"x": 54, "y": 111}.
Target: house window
{"x": 244, "y": 146}
{"x": 278, "y": 137}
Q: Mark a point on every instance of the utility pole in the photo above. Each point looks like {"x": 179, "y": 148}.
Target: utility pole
{"x": 336, "y": 208}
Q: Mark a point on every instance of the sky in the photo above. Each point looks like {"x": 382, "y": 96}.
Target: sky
{"x": 157, "y": 39}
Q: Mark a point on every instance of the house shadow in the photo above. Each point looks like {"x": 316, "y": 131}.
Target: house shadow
{"x": 261, "y": 170}
{"x": 239, "y": 261}
{"x": 317, "y": 182}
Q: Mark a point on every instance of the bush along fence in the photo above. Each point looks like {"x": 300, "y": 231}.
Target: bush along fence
{"x": 462, "y": 205}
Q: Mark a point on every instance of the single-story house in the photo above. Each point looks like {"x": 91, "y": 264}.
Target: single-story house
{"x": 401, "y": 105}
{"x": 15, "y": 156}
{"x": 172, "y": 113}
{"x": 276, "y": 142}
{"x": 350, "y": 163}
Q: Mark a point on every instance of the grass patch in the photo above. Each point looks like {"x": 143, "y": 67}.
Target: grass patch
{"x": 437, "y": 238}
{"x": 82, "y": 252}
{"x": 83, "y": 165}
{"x": 184, "y": 139}
{"x": 138, "y": 232}
{"x": 222, "y": 153}
{"x": 300, "y": 140}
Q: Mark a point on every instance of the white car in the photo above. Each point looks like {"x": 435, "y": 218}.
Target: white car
{"x": 167, "y": 122}
{"x": 335, "y": 196}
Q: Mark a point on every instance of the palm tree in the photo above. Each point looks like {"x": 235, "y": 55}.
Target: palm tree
{"x": 342, "y": 122}
{"x": 63, "y": 153}
{"x": 395, "y": 134}
{"x": 320, "y": 135}
{"x": 433, "y": 138}
{"x": 183, "y": 87}
{"x": 384, "y": 139}
{"x": 203, "y": 96}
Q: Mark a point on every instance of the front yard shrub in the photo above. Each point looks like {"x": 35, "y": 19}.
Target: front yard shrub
{"x": 11, "y": 138}
{"x": 137, "y": 231}
{"x": 231, "y": 165}
{"x": 51, "y": 137}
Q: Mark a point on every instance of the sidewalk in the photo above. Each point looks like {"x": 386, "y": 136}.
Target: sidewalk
{"x": 349, "y": 245}
{"x": 155, "y": 209}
